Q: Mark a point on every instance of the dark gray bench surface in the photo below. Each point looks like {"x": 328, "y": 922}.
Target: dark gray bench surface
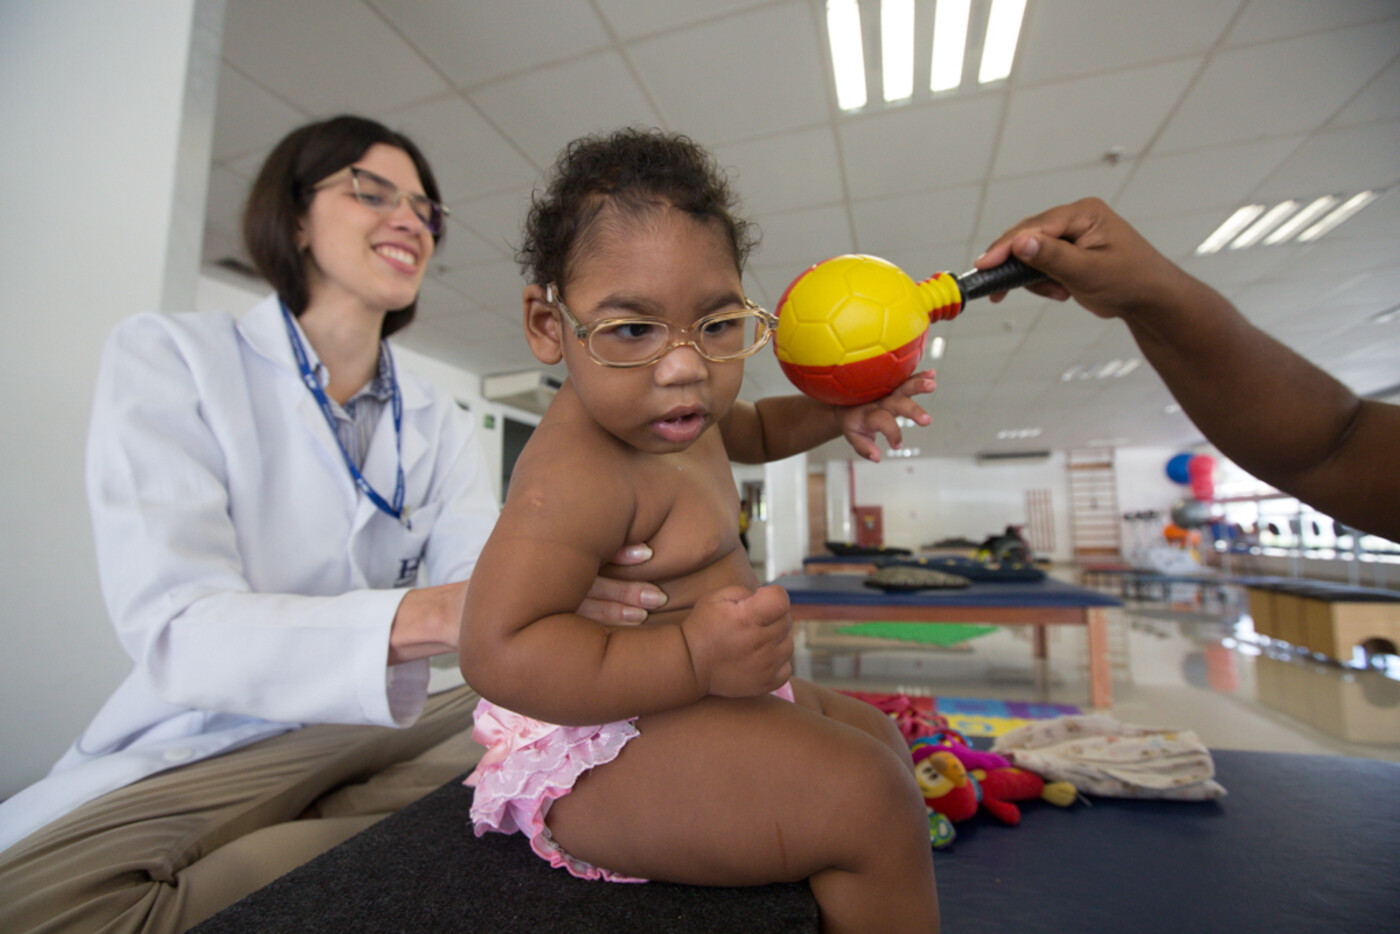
{"x": 1301, "y": 844}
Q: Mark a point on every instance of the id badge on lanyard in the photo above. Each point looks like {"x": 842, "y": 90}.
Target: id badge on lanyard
{"x": 308, "y": 376}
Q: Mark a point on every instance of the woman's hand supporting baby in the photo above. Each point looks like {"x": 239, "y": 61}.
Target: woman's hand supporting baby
{"x": 740, "y": 641}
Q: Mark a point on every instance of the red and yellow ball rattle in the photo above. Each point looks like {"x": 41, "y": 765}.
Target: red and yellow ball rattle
{"x": 851, "y": 329}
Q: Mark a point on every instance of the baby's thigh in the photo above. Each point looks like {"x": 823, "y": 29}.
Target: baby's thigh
{"x": 736, "y": 792}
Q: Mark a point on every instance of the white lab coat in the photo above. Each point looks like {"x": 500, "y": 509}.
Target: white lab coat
{"x": 249, "y": 579}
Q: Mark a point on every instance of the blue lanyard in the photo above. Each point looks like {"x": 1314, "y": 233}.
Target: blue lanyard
{"x": 308, "y": 377}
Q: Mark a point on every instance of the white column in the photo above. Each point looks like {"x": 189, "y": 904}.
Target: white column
{"x": 840, "y": 526}
{"x": 785, "y": 487}
{"x": 108, "y": 113}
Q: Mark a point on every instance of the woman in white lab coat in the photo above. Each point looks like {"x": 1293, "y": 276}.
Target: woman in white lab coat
{"x": 285, "y": 528}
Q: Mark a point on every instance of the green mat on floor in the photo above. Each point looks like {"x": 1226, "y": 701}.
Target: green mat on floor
{"x": 923, "y": 633}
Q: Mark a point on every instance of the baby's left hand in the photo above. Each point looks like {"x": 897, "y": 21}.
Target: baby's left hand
{"x": 862, "y": 424}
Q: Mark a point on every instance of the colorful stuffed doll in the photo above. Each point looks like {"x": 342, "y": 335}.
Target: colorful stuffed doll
{"x": 956, "y": 780}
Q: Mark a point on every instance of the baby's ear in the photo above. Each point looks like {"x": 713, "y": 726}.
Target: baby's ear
{"x": 542, "y": 326}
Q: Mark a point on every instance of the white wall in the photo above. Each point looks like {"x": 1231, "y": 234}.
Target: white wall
{"x": 108, "y": 110}
{"x": 1142, "y": 482}
{"x": 932, "y": 498}
{"x": 785, "y": 487}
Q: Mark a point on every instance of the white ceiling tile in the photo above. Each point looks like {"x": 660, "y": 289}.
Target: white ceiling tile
{"x": 496, "y": 287}
{"x": 1065, "y": 38}
{"x": 356, "y": 63}
{"x": 927, "y": 217}
{"x": 1279, "y": 88}
{"x": 784, "y": 172}
{"x": 465, "y": 247}
{"x": 1075, "y": 123}
{"x": 1011, "y": 200}
{"x": 248, "y": 166}
{"x": 1379, "y": 220}
{"x": 1333, "y": 259}
{"x": 801, "y": 238}
{"x": 1343, "y": 161}
{"x": 1066, "y": 325}
{"x": 768, "y": 58}
{"x": 247, "y": 118}
{"x": 770, "y": 281}
{"x": 1202, "y": 179}
{"x": 1176, "y": 236}
{"x": 544, "y": 109}
{"x": 443, "y": 306}
{"x": 985, "y": 319}
{"x": 1265, "y": 20}
{"x": 1229, "y": 269}
{"x": 935, "y": 145}
{"x": 468, "y": 156}
{"x": 476, "y": 42}
{"x": 633, "y": 18}
{"x": 921, "y": 260}
{"x": 1379, "y": 289}
{"x": 1380, "y": 100}
{"x": 497, "y": 219}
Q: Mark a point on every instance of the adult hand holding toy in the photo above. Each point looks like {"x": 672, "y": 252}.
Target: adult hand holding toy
{"x": 1266, "y": 408}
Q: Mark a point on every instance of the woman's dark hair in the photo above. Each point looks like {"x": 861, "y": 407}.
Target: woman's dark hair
{"x": 285, "y": 186}
{"x": 634, "y": 172}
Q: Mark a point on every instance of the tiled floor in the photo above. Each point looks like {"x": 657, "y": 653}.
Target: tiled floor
{"x": 1180, "y": 666}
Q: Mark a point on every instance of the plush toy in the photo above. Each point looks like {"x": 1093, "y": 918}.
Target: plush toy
{"x": 1000, "y": 787}
{"x": 956, "y": 780}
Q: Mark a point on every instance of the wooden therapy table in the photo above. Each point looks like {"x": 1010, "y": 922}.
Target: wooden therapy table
{"x": 1020, "y": 603}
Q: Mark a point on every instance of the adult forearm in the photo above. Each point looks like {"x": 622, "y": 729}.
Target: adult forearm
{"x": 1265, "y": 407}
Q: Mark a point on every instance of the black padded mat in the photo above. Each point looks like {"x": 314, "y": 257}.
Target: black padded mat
{"x": 1301, "y": 844}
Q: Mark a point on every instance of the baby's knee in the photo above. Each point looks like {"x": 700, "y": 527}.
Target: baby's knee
{"x": 876, "y": 785}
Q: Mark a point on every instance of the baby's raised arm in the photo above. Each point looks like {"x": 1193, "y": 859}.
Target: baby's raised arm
{"x": 781, "y": 426}
{"x": 524, "y": 647}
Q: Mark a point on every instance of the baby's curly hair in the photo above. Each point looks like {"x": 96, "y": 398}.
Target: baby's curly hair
{"x": 633, "y": 171}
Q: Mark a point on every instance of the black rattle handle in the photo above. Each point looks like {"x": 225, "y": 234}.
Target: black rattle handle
{"x": 1011, "y": 274}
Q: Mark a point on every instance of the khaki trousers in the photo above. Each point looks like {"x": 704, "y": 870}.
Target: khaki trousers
{"x": 169, "y": 851}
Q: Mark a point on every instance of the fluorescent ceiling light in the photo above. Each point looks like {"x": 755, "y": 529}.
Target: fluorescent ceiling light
{"x": 1128, "y": 367}
{"x": 936, "y": 348}
{"x": 1386, "y": 317}
{"x": 1107, "y": 369}
{"x": 1172, "y": 409}
{"x": 1003, "y": 30}
{"x": 1007, "y": 434}
{"x": 1230, "y": 229}
{"x": 847, "y": 56}
{"x": 1263, "y": 225}
{"x": 949, "y": 41}
{"x": 1300, "y": 220}
{"x": 897, "y": 48}
{"x": 1348, "y": 208}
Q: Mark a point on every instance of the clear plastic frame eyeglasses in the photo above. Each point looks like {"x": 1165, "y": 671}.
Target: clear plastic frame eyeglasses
{"x": 641, "y": 341}
{"x": 383, "y": 196}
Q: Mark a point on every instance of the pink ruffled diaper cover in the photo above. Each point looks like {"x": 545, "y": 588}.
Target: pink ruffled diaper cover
{"x": 529, "y": 764}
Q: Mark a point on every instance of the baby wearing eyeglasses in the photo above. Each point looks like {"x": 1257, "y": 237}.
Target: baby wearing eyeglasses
{"x": 679, "y": 750}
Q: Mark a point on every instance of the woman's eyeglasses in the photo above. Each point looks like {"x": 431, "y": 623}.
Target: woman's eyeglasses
{"x": 640, "y": 341}
{"x": 383, "y": 196}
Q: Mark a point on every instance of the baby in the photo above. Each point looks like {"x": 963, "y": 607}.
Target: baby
{"x": 678, "y": 750}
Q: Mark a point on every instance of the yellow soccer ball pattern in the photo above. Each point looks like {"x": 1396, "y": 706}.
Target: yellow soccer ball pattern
{"x": 847, "y": 309}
